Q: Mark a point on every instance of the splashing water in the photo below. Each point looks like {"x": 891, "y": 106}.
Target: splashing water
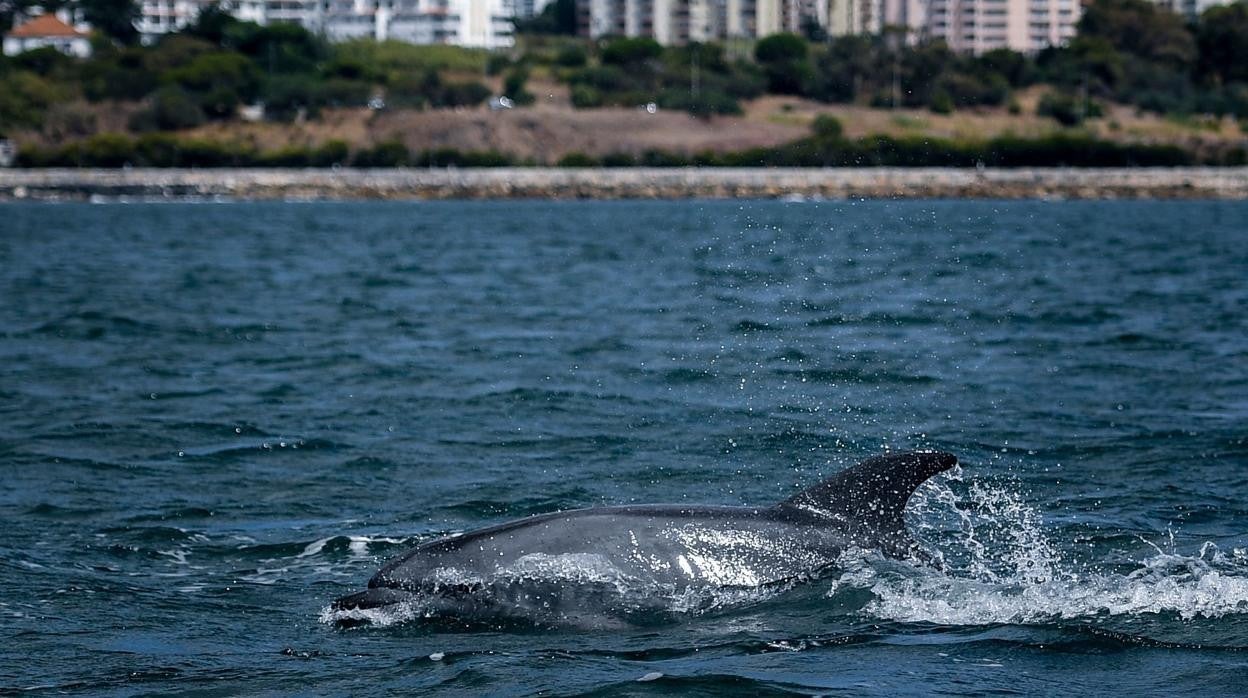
{"x": 996, "y": 564}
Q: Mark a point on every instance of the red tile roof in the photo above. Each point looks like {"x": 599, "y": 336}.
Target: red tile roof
{"x": 45, "y": 25}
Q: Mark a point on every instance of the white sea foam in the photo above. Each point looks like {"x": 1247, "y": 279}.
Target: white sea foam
{"x": 392, "y": 614}
{"x": 999, "y": 566}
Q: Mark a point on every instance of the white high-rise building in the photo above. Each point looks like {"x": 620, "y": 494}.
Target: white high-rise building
{"x": 476, "y": 23}
{"x": 851, "y": 17}
{"x": 681, "y": 21}
{"x": 307, "y": 13}
{"x": 157, "y": 17}
{"x": 1027, "y": 26}
{"x": 968, "y": 26}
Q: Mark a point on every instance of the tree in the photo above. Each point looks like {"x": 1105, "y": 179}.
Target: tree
{"x": 9, "y": 8}
{"x": 219, "y": 81}
{"x": 786, "y": 61}
{"x": 1222, "y": 37}
{"x": 631, "y": 52}
{"x": 781, "y": 47}
{"x": 213, "y": 24}
{"x": 849, "y": 67}
{"x": 114, "y": 18}
{"x": 558, "y": 17}
{"x": 1140, "y": 28}
{"x": 1011, "y": 65}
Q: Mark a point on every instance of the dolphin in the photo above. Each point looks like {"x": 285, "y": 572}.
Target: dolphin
{"x": 672, "y": 548}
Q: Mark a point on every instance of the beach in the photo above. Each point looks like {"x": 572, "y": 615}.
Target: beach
{"x": 623, "y": 183}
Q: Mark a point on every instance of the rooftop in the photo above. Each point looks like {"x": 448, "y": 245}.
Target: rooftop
{"x": 45, "y": 25}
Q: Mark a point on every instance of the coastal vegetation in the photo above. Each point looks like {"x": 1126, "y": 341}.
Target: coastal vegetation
{"x": 186, "y": 100}
{"x": 820, "y": 149}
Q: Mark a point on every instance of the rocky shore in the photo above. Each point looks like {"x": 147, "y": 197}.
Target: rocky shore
{"x": 628, "y": 183}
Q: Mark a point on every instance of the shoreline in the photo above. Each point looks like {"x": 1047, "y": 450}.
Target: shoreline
{"x": 399, "y": 184}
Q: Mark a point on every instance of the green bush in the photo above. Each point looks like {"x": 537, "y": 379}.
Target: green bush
{"x": 572, "y": 56}
{"x": 450, "y": 157}
{"x": 826, "y": 126}
{"x": 400, "y": 58}
{"x": 618, "y": 160}
{"x": 786, "y": 63}
{"x": 462, "y": 94}
{"x": 940, "y": 102}
{"x": 513, "y": 86}
{"x": 781, "y": 47}
{"x": 630, "y": 51}
{"x": 342, "y": 93}
{"x": 206, "y": 153}
{"x": 106, "y": 150}
{"x": 165, "y": 150}
{"x": 158, "y": 150}
{"x": 171, "y": 109}
{"x": 220, "y": 81}
{"x": 497, "y": 63}
{"x": 1066, "y": 109}
{"x": 705, "y": 103}
{"x": 25, "y": 98}
{"x": 586, "y": 97}
{"x": 427, "y": 89}
{"x": 384, "y": 154}
{"x": 575, "y": 159}
{"x": 42, "y": 61}
{"x": 330, "y": 153}
{"x": 290, "y": 156}
{"x": 660, "y": 158}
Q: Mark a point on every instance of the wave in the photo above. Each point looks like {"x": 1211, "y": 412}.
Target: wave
{"x": 91, "y": 324}
{"x": 244, "y": 446}
{"x": 1001, "y": 567}
{"x": 849, "y": 374}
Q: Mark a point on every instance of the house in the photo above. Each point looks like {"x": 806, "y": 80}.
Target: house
{"x": 47, "y": 30}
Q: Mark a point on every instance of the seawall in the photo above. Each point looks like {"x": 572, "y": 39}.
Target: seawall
{"x": 625, "y": 183}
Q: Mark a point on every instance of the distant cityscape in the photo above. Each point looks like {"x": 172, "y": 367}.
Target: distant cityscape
{"x": 966, "y": 26}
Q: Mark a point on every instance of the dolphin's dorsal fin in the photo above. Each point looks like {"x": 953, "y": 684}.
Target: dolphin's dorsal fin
{"x": 869, "y": 499}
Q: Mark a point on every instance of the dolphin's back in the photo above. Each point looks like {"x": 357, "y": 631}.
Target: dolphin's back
{"x": 672, "y": 547}
{"x": 657, "y": 543}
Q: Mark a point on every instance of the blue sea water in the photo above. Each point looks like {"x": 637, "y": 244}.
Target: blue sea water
{"x": 215, "y": 419}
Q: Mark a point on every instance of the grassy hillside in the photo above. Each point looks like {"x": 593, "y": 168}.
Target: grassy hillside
{"x": 185, "y": 99}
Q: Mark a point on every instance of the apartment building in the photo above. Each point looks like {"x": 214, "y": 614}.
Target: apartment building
{"x": 977, "y": 26}
{"x": 969, "y": 26}
{"x": 476, "y": 23}
{"x": 158, "y": 17}
{"x": 851, "y": 17}
{"x": 681, "y": 21}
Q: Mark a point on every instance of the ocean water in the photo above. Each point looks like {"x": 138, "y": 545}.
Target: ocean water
{"x": 215, "y": 419}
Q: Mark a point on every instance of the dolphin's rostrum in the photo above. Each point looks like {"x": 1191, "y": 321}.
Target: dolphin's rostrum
{"x": 670, "y": 547}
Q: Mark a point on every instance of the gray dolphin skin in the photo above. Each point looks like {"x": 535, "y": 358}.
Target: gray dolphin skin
{"x": 670, "y": 547}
